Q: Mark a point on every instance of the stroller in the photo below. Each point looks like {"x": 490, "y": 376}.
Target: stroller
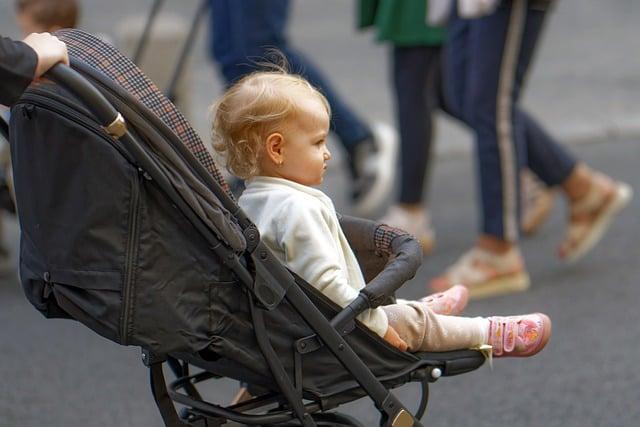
{"x": 128, "y": 227}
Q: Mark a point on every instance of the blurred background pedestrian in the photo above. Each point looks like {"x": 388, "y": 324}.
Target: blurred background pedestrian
{"x": 488, "y": 55}
{"x": 416, "y": 68}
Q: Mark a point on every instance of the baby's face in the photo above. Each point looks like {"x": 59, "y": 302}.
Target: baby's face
{"x": 305, "y": 149}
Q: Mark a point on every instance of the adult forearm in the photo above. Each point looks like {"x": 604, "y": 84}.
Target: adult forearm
{"x": 18, "y": 64}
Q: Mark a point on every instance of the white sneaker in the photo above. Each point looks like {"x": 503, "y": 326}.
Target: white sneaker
{"x": 417, "y": 223}
{"x": 373, "y": 166}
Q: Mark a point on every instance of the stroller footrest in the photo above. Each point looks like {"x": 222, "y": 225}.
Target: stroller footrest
{"x": 454, "y": 362}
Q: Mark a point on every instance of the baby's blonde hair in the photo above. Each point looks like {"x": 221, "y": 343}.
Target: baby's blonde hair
{"x": 252, "y": 109}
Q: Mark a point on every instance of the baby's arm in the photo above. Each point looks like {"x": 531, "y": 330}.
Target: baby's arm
{"x": 310, "y": 251}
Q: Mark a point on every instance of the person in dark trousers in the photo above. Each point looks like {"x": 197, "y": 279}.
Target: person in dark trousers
{"x": 487, "y": 60}
{"x": 23, "y": 61}
{"x": 416, "y": 66}
{"x": 243, "y": 34}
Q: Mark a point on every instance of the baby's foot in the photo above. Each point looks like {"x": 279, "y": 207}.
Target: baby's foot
{"x": 518, "y": 336}
{"x": 450, "y": 302}
{"x": 591, "y": 215}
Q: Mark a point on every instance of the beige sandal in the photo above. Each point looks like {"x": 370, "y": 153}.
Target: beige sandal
{"x": 537, "y": 201}
{"x": 591, "y": 216}
{"x": 486, "y": 274}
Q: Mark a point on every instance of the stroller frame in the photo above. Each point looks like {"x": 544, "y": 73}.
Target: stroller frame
{"x": 268, "y": 292}
{"x": 272, "y": 283}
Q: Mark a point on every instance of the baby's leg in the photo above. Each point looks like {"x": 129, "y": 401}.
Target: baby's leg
{"x": 510, "y": 336}
{"x": 423, "y": 330}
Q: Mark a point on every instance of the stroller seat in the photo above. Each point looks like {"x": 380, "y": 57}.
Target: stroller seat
{"x": 128, "y": 227}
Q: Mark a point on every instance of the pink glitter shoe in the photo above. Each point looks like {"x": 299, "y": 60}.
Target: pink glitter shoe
{"x": 450, "y": 302}
{"x": 519, "y": 336}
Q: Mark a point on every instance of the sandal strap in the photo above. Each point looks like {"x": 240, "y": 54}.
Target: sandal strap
{"x": 503, "y": 334}
{"x": 474, "y": 266}
{"x": 593, "y": 197}
{"x": 469, "y": 269}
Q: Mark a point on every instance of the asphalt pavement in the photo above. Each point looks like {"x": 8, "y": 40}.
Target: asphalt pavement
{"x": 584, "y": 86}
{"x": 59, "y": 374}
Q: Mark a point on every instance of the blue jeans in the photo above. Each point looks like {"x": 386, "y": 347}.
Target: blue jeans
{"x": 486, "y": 63}
{"x": 244, "y": 30}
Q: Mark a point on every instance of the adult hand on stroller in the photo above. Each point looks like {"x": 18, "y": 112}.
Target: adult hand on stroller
{"x": 49, "y": 49}
{"x": 392, "y": 337}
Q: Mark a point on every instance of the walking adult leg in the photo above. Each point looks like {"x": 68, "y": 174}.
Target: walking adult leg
{"x": 243, "y": 34}
{"x": 416, "y": 78}
{"x": 594, "y": 198}
{"x": 416, "y": 81}
{"x": 491, "y": 86}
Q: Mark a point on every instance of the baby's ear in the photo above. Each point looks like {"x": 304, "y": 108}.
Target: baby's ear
{"x": 275, "y": 148}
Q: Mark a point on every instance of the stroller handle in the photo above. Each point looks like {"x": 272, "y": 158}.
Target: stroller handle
{"x": 110, "y": 119}
{"x": 406, "y": 258}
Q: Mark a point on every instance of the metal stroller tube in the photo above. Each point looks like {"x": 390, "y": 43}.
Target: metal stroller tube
{"x": 109, "y": 118}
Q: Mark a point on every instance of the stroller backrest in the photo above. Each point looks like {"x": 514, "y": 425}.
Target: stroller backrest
{"x": 105, "y": 58}
{"x": 100, "y": 242}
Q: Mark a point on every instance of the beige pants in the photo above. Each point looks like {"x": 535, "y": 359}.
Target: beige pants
{"x": 423, "y": 330}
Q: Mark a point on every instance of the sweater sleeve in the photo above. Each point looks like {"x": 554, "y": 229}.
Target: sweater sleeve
{"x": 17, "y": 68}
{"x": 310, "y": 251}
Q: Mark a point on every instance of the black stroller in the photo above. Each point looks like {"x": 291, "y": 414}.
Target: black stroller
{"x": 129, "y": 228}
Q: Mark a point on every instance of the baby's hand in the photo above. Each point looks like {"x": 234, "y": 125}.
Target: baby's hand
{"x": 50, "y": 51}
{"x": 392, "y": 337}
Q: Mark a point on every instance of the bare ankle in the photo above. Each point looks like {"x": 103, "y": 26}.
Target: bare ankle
{"x": 578, "y": 183}
{"x": 493, "y": 244}
{"x": 413, "y": 208}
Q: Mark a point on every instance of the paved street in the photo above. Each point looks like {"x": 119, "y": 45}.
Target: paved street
{"x": 59, "y": 374}
{"x": 586, "y": 86}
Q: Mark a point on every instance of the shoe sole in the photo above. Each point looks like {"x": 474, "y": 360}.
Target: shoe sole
{"x": 381, "y": 188}
{"x": 624, "y": 194}
{"x": 512, "y": 283}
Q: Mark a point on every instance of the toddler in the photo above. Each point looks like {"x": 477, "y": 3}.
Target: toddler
{"x": 272, "y": 128}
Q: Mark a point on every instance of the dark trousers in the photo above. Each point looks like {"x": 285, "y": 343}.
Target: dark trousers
{"x": 242, "y": 33}
{"x": 417, "y": 83}
{"x": 486, "y": 63}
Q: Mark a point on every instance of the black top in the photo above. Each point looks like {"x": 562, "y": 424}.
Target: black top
{"x": 17, "y": 67}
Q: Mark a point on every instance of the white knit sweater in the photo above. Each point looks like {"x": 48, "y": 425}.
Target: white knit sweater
{"x": 299, "y": 224}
